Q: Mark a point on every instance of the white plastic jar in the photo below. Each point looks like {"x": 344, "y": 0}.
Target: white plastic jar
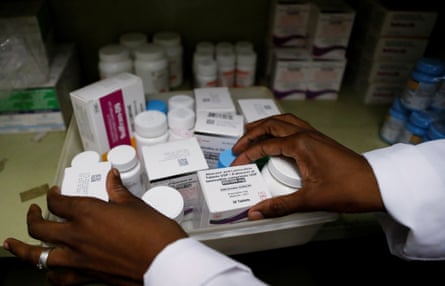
{"x": 181, "y": 100}
{"x": 151, "y": 128}
{"x": 132, "y": 40}
{"x": 85, "y": 158}
{"x": 226, "y": 69}
{"x": 245, "y": 68}
{"x": 243, "y": 46}
{"x": 181, "y": 122}
{"x": 206, "y": 47}
{"x": 171, "y": 42}
{"x": 151, "y": 66}
{"x": 124, "y": 158}
{"x": 206, "y": 73}
{"x": 114, "y": 59}
{"x": 166, "y": 200}
{"x": 225, "y": 47}
{"x": 281, "y": 175}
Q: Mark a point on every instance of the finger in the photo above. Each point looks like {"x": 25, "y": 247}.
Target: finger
{"x": 41, "y": 229}
{"x": 117, "y": 192}
{"x": 277, "y": 206}
{"x": 69, "y": 276}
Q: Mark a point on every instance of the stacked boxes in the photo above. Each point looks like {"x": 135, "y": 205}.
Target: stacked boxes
{"x": 307, "y": 57}
{"x": 390, "y": 39}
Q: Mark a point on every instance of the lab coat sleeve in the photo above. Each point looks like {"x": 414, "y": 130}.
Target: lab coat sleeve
{"x": 189, "y": 262}
{"x": 411, "y": 179}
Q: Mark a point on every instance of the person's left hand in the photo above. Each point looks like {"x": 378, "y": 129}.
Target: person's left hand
{"x": 113, "y": 241}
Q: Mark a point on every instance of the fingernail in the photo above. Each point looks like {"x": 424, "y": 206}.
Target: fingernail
{"x": 5, "y": 245}
{"x": 255, "y": 215}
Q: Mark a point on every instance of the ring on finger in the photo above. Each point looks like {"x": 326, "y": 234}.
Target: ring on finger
{"x": 43, "y": 258}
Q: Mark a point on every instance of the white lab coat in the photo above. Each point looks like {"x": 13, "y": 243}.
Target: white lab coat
{"x": 411, "y": 179}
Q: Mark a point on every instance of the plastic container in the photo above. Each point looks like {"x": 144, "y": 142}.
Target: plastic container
{"x": 181, "y": 121}
{"x": 423, "y": 84}
{"x": 393, "y": 126}
{"x": 124, "y": 158}
{"x": 157, "y": 104}
{"x": 206, "y": 47}
{"x": 167, "y": 200}
{"x": 114, "y": 59}
{"x": 151, "y": 128}
{"x": 226, "y": 69}
{"x": 245, "y": 68}
{"x": 243, "y": 46}
{"x": 206, "y": 73}
{"x": 435, "y": 131}
{"x": 417, "y": 126}
{"x": 224, "y": 47}
{"x": 181, "y": 100}
{"x": 132, "y": 40}
{"x": 151, "y": 66}
{"x": 171, "y": 42}
{"x": 281, "y": 176}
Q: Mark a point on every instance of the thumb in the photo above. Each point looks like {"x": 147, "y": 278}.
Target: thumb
{"x": 116, "y": 190}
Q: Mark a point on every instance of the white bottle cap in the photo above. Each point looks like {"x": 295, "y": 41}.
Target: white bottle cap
{"x": 149, "y": 52}
{"x": 167, "y": 200}
{"x": 285, "y": 170}
{"x": 181, "y": 100}
{"x": 122, "y": 157}
{"x": 243, "y": 46}
{"x": 167, "y": 39}
{"x": 132, "y": 39}
{"x": 107, "y": 69}
{"x": 85, "y": 158}
{"x": 205, "y": 46}
{"x": 181, "y": 118}
{"x": 113, "y": 53}
{"x": 224, "y": 47}
{"x": 151, "y": 123}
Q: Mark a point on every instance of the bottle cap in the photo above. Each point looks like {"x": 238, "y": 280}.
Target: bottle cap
{"x": 167, "y": 200}
{"x": 113, "y": 53}
{"x": 132, "y": 39}
{"x": 149, "y": 52}
{"x": 181, "y": 100}
{"x": 151, "y": 123}
{"x": 122, "y": 157}
{"x": 85, "y": 157}
{"x": 285, "y": 170}
{"x": 225, "y": 158}
{"x": 167, "y": 39}
{"x": 156, "y": 104}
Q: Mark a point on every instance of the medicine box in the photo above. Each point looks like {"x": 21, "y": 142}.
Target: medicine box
{"x": 228, "y": 193}
{"x": 175, "y": 164}
{"x": 216, "y": 99}
{"x": 105, "y": 111}
{"x": 216, "y": 132}
{"x": 257, "y": 108}
{"x": 43, "y": 107}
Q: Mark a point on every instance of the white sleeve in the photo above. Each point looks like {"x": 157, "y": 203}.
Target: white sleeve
{"x": 189, "y": 262}
{"x": 411, "y": 179}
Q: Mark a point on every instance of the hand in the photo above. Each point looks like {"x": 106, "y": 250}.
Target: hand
{"x": 114, "y": 241}
{"x": 334, "y": 178}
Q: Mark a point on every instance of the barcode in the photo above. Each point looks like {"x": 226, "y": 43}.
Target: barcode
{"x": 183, "y": 162}
{"x": 220, "y": 115}
{"x": 95, "y": 178}
{"x": 210, "y": 121}
{"x": 267, "y": 107}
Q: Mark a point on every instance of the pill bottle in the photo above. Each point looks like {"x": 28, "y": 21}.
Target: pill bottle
{"x": 166, "y": 200}
{"x": 243, "y": 46}
{"x": 245, "y": 68}
{"x": 85, "y": 158}
{"x": 224, "y": 47}
{"x": 151, "y": 66}
{"x": 393, "y": 126}
{"x": 199, "y": 56}
{"x": 438, "y": 102}
{"x": 206, "y": 73}
{"x": 132, "y": 40}
{"x": 171, "y": 42}
{"x": 422, "y": 84}
{"x": 156, "y": 104}
{"x": 417, "y": 126}
{"x": 151, "y": 128}
{"x": 181, "y": 121}
{"x": 205, "y": 46}
{"x": 226, "y": 69}
{"x": 281, "y": 175}
{"x": 225, "y": 158}
{"x": 124, "y": 158}
{"x": 435, "y": 131}
{"x": 181, "y": 100}
{"x": 114, "y": 59}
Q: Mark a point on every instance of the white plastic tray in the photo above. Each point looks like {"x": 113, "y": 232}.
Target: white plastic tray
{"x": 237, "y": 238}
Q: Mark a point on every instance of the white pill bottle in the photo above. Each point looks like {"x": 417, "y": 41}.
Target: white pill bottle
{"x": 114, "y": 59}
{"x": 281, "y": 175}
{"x": 171, "y": 42}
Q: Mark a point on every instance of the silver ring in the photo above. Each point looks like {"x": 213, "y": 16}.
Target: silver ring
{"x": 43, "y": 258}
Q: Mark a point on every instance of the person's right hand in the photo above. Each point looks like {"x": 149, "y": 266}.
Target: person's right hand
{"x": 334, "y": 177}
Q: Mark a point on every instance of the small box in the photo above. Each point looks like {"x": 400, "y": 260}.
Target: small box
{"x": 217, "y": 99}
{"x": 216, "y": 132}
{"x": 381, "y": 93}
{"x": 44, "y": 107}
{"x": 175, "y": 164}
{"x": 257, "y": 108}
{"x": 325, "y": 78}
{"x": 86, "y": 181}
{"x": 228, "y": 193}
{"x": 105, "y": 111}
